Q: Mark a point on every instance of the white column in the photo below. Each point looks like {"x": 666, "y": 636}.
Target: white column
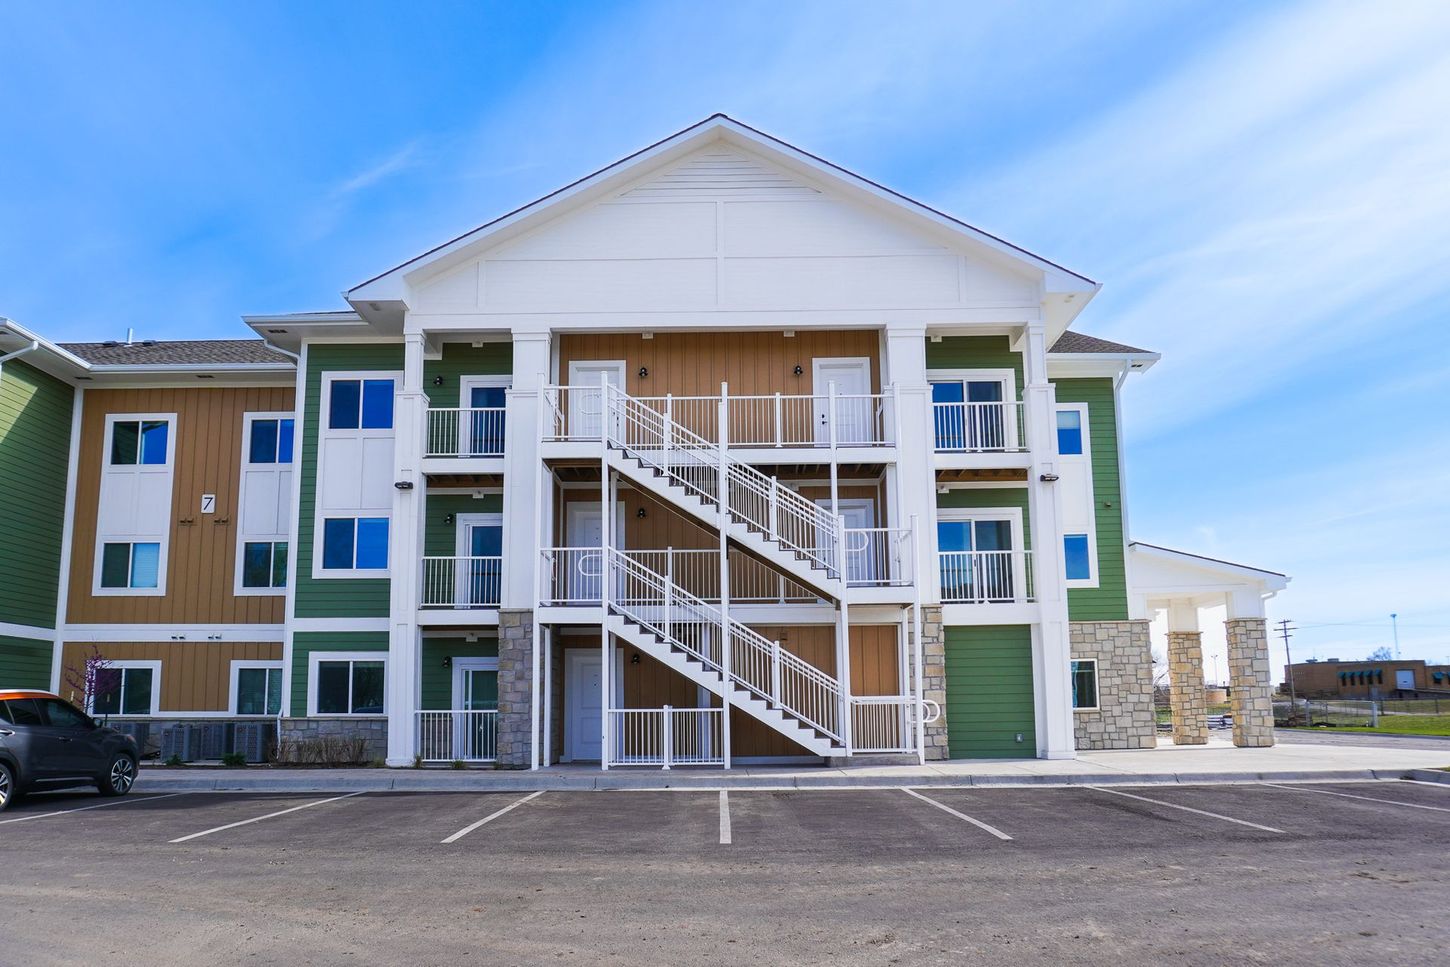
{"x": 522, "y": 501}
{"x": 915, "y": 474}
{"x": 405, "y": 554}
{"x": 1051, "y": 658}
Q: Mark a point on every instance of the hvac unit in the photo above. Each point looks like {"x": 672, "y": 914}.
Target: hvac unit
{"x": 251, "y": 740}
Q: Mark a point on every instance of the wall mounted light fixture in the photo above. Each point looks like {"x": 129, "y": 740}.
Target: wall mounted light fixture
{"x": 447, "y": 518}
{"x": 798, "y": 370}
{"x": 438, "y": 380}
{"x": 641, "y": 513}
{"x": 643, "y": 372}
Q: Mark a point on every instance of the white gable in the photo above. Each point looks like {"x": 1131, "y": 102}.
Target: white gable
{"x": 723, "y": 230}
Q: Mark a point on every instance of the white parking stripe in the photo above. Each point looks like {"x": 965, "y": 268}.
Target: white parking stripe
{"x": 492, "y": 816}
{"x": 1346, "y": 795}
{"x": 724, "y": 818}
{"x": 258, "y": 819}
{"x": 1187, "y": 809}
{"x": 945, "y": 808}
{"x": 101, "y": 805}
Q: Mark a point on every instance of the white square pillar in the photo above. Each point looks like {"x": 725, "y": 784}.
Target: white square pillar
{"x": 522, "y": 501}
{"x": 405, "y": 553}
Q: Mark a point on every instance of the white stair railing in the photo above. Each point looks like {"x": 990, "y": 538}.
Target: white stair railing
{"x": 758, "y": 665}
{"x": 753, "y": 499}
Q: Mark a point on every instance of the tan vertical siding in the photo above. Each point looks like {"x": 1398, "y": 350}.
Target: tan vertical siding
{"x": 195, "y": 676}
{"x": 201, "y": 562}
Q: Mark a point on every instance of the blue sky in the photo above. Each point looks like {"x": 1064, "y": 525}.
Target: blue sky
{"x": 1261, "y": 187}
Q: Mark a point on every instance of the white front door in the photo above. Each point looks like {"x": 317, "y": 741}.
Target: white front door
{"x": 585, "y": 402}
{"x": 855, "y": 411}
{"x": 865, "y": 549}
{"x": 583, "y": 705}
{"x": 584, "y": 528}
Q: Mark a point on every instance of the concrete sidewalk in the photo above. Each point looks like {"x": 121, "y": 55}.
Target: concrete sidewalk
{"x": 1218, "y": 761}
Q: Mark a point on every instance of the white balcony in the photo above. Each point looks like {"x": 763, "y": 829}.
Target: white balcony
{"x": 465, "y": 433}
{"x": 462, "y": 583}
{"x": 986, "y": 577}
{"x": 666, "y": 737}
{"x": 457, "y": 735}
{"x": 992, "y": 427}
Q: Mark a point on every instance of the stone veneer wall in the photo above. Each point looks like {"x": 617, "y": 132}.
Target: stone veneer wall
{"x": 1185, "y": 688}
{"x": 934, "y": 678}
{"x": 1125, "y": 717}
{"x": 1251, "y": 695}
{"x": 373, "y": 728}
{"x": 515, "y": 678}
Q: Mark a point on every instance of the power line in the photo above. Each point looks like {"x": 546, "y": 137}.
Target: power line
{"x": 1286, "y": 632}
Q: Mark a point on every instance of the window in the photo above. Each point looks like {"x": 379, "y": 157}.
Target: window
{"x": 352, "y": 687}
{"x": 141, "y": 442}
{"x": 271, "y": 441}
{"x": 64, "y": 715}
{"x": 24, "y": 711}
{"x": 1069, "y": 432}
{"x": 258, "y": 690}
{"x": 130, "y": 565}
{"x": 365, "y": 404}
{"x": 1085, "y": 683}
{"x": 969, "y": 414}
{"x": 123, "y": 690}
{"x": 264, "y": 564}
{"x": 978, "y": 561}
{"x": 1076, "y": 557}
{"x": 355, "y": 543}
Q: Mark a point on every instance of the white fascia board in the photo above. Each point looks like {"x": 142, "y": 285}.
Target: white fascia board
{"x": 393, "y": 285}
{"x": 288, "y": 331}
{"x": 45, "y": 355}
{"x": 1099, "y": 364}
{"x": 1181, "y": 570}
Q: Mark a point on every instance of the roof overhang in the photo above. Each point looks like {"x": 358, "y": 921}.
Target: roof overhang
{"x": 287, "y": 332}
{"x": 40, "y": 352}
{"x": 1160, "y": 575}
{"x": 383, "y": 298}
{"x": 1114, "y": 365}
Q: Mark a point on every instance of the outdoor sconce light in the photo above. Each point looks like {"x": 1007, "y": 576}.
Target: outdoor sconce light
{"x": 447, "y": 518}
{"x": 643, "y": 372}
{"x": 1048, "y": 478}
{"x": 447, "y": 661}
{"x": 437, "y": 380}
{"x": 798, "y": 370}
{"x": 641, "y": 514}
{"x": 634, "y": 658}
{"x": 403, "y": 485}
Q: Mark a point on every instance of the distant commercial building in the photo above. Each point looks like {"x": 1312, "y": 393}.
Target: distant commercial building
{"x": 1400, "y": 678}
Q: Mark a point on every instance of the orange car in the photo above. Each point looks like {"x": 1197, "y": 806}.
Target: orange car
{"x": 47, "y": 743}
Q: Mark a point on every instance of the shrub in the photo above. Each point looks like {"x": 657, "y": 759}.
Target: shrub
{"x": 175, "y": 760}
{"x": 234, "y": 760}
{"x": 323, "y": 750}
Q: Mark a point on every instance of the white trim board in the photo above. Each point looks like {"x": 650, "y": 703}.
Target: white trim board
{"x": 31, "y": 632}
{"x": 160, "y": 632}
{"x": 314, "y": 658}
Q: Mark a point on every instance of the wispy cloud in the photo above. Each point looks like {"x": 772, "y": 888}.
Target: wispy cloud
{"x": 400, "y": 160}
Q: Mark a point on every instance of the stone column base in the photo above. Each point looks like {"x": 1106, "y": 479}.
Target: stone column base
{"x": 1124, "y": 718}
{"x": 1186, "y": 688}
{"x": 934, "y": 679}
{"x": 515, "y": 688}
{"x": 1252, "y": 694}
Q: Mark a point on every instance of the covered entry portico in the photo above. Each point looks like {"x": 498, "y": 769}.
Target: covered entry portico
{"x": 1181, "y": 584}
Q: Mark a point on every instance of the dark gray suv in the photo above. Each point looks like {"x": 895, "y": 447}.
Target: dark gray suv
{"x": 47, "y": 743}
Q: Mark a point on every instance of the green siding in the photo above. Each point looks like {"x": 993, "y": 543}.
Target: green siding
{"x": 333, "y": 597}
{"x": 35, "y": 423}
{"x": 459, "y": 360}
{"x": 989, "y": 692}
{"x": 304, "y": 643}
{"x": 24, "y": 663}
{"x": 437, "y": 684}
{"x": 974, "y": 497}
{"x": 1109, "y": 600}
{"x": 975, "y": 352}
{"x": 440, "y": 538}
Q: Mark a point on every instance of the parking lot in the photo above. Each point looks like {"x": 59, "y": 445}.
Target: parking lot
{"x": 1197, "y": 874}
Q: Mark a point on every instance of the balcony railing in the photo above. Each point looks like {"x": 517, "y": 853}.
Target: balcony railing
{"x": 887, "y": 723}
{"x": 572, "y": 575}
{"x": 457, "y": 735}
{"x": 665, "y": 737}
{"x": 878, "y": 557}
{"x": 465, "y": 431}
{"x": 986, "y": 577}
{"x": 462, "y": 582}
{"x": 753, "y": 422}
{"x": 999, "y": 427}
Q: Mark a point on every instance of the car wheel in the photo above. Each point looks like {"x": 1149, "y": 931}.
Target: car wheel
{"x": 7, "y": 786}
{"x": 119, "y": 777}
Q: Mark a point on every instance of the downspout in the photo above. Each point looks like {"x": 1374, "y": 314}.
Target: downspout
{"x": 295, "y": 357}
{"x": 1118, "y": 382}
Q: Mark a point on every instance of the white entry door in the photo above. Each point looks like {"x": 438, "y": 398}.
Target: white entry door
{"x": 584, "y": 528}
{"x": 583, "y": 705}
{"x": 586, "y": 404}
{"x": 865, "y": 549}
{"x": 855, "y": 415}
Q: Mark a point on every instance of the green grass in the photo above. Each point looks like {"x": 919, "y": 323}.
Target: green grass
{"x": 1399, "y": 725}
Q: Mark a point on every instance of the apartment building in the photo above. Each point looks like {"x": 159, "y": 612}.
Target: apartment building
{"x": 721, "y": 454}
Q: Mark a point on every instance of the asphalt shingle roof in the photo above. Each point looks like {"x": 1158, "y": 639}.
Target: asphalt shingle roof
{"x": 176, "y": 352}
{"x": 1077, "y": 342}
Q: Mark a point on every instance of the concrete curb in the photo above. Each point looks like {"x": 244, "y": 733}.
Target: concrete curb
{"x": 385, "y": 780}
{"x": 1429, "y": 775}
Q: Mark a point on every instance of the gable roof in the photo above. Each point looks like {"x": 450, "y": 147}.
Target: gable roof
{"x": 386, "y": 287}
{"x": 1080, "y": 342}
{"x": 178, "y": 352}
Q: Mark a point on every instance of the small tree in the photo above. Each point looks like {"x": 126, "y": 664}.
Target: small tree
{"x": 93, "y": 679}
{"x": 1381, "y": 654}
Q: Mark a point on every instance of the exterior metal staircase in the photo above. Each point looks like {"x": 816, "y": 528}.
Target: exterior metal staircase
{"x": 746, "y": 670}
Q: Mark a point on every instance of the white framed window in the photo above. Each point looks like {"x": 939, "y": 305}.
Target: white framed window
{"x": 354, "y": 475}
{"x": 347, "y": 683}
{"x": 1085, "y": 684}
{"x": 256, "y": 688}
{"x": 981, "y": 556}
{"x": 974, "y": 409}
{"x": 128, "y": 687}
{"x": 133, "y": 514}
{"x": 1075, "y": 489}
{"x": 264, "y": 503}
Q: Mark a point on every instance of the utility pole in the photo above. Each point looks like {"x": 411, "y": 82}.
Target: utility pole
{"x": 1395, "y": 624}
{"x": 1285, "y": 632}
